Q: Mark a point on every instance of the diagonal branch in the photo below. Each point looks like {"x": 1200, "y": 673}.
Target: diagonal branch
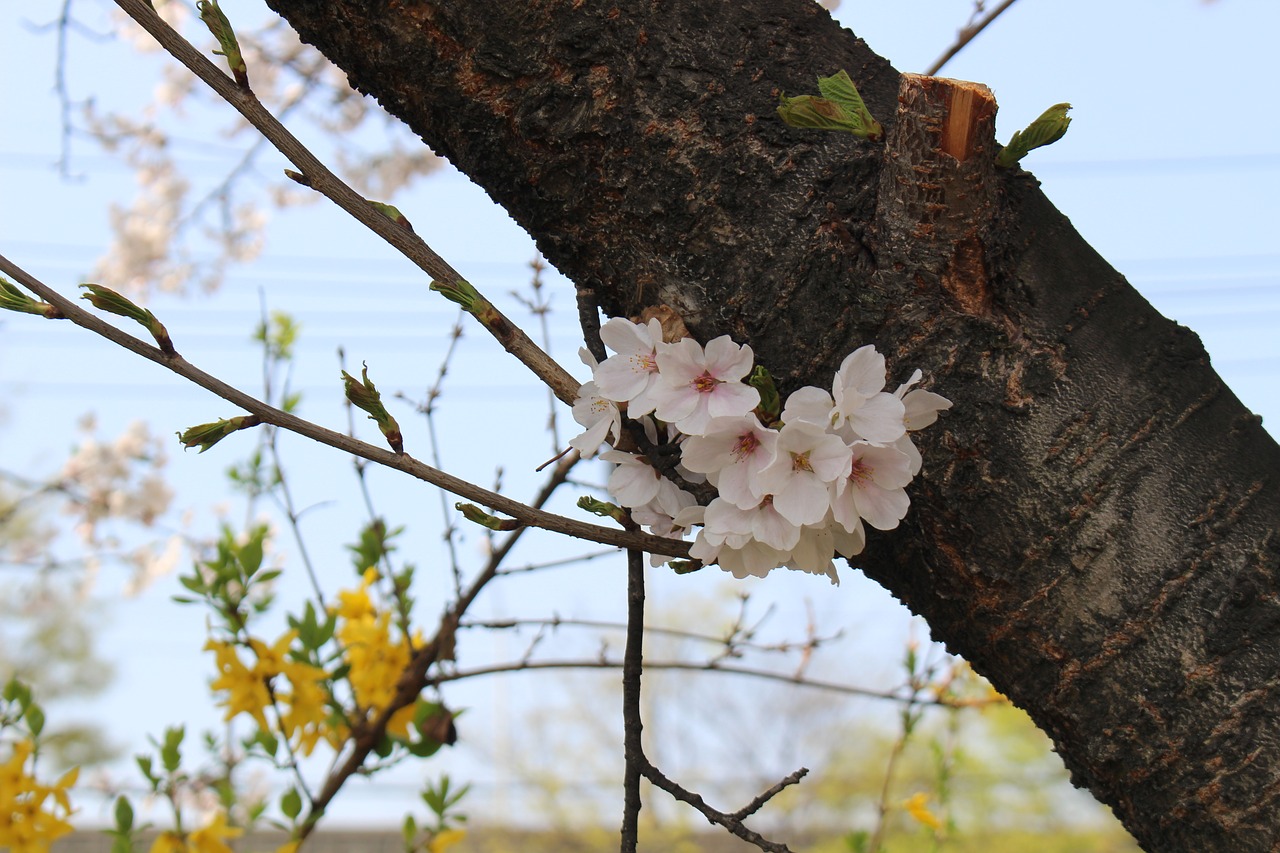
{"x": 399, "y": 461}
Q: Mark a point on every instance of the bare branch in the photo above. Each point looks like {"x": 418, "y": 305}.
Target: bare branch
{"x": 967, "y": 34}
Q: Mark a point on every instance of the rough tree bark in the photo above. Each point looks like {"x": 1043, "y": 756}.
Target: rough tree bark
{"x": 1095, "y": 528}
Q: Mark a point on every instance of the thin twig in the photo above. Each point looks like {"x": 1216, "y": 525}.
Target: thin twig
{"x": 632, "y": 724}
{"x": 285, "y": 498}
{"x": 719, "y": 818}
{"x": 719, "y": 640}
{"x": 966, "y": 35}
{"x": 399, "y": 461}
{"x": 604, "y": 662}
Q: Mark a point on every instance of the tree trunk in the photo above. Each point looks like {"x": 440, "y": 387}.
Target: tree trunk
{"x": 1095, "y": 526}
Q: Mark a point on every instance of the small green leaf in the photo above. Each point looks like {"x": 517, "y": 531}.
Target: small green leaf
{"x": 123, "y": 815}
{"x": 171, "y": 750}
{"x": 839, "y": 88}
{"x": 1045, "y": 130}
{"x": 144, "y": 765}
{"x": 291, "y": 804}
{"x": 409, "y": 833}
{"x": 34, "y": 718}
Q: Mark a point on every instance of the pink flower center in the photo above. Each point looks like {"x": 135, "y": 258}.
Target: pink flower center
{"x": 648, "y": 363}
{"x": 705, "y": 384}
{"x": 745, "y": 446}
{"x": 800, "y": 462}
{"x": 861, "y": 472}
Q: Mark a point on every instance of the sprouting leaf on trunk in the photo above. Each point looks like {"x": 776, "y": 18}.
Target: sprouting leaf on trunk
{"x": 1047, "y": 129}
{"x": 839, "y": 107}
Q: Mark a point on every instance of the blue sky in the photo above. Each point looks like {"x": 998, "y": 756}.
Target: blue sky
{"x": 1171, "y": 170}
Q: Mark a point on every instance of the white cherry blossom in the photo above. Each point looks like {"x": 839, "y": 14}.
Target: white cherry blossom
{"x": 808, "y": 461}
{"x": 629, "y": 376}
{"x": 861, "y": 403}
{"x": 600, "y": 416}
{"x": 732, "y": 525}
{"x": 634, "y": 482}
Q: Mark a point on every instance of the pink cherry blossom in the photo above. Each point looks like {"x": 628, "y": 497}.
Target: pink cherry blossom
{"x": 874, "y": 490}
{"x": 732, "y": 454}
{"x": 697, "y": 385}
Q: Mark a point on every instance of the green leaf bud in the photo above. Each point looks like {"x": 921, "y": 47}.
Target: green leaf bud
{"x": 603, "y": 509}
{"x": 218, "y": 24}
{"x": 1045, "y": 130}
{"x": 106, "y": 299}
{"x": 462, "y": 293}
{"x": 770, "y": 406}
{"x": 391, "y": 213}
{"x": 475, "y": 514}
{"x": 13, "y": 299}
{"x": 205, "y": 436}
{"x": 364, "y": 395}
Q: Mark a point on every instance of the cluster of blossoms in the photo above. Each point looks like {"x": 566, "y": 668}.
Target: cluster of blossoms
{"x": 793, "y": 489}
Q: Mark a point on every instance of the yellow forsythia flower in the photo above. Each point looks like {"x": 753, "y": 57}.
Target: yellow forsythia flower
{"x": 916, "y": 806}
{"x": 32, "y": 815}
{"x": 444, "y": 840}
{"x": 169, "y": 842}
{"x": 303, "y": 703}
{"x": 211, "y": 837}
{"x": 376, "y": 660}
{"x": 290, "y": 847}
